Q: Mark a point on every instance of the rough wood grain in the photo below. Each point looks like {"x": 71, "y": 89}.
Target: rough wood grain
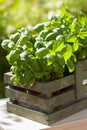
{"x": 47, "y": 119}
{"x": 39, "y": 103}
{"x": 75, "y": 125}
{"x": 81, "y": 79}
{"x": 48, "y": 87}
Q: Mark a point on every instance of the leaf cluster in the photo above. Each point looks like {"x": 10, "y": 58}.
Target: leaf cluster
{"x": 50, "y": 51}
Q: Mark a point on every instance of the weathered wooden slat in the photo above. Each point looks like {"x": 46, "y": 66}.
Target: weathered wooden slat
{"x": 83, "y": 64}
{"x": 84, "y": 75}
{"x": 57, "y": 84}
{"x": 48, "y": 87}
{"x": 79, "y": 86}
{"x": 7, "y": 77}
{"x": 84, "y": 82}
{"x": 47, "y": 119}
{"x": 47, "y": 105}
{"x": 85, "y": 89}
{"x": 81, "y": 77}
{"x": 27, "y": 113}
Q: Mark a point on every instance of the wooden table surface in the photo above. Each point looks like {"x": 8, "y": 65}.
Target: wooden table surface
{"x": 9, "y": 121}
{"x": 75, "y": 125}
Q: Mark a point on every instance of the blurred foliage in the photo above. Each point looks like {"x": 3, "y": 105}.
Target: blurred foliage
{"x": 76, "y": 5}
{"x": 18, "y": 13}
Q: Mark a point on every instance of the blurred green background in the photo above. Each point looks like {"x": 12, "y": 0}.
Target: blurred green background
{"x": 15, "y": 14}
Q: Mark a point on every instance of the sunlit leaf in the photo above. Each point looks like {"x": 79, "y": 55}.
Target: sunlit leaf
{"x": 75, "y": 45}
{"x": 70, "y": 65}
{"x": 67, "y": 54}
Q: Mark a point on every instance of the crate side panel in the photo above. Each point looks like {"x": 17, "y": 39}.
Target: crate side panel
{"x": 67, "y": 111}
{"x": 44, "y": 87}
{"x": 47, "y": 119}
{"x": 81, "y": 78}
{"x": 35, "y": 102}
{"x": 27, "y": 113}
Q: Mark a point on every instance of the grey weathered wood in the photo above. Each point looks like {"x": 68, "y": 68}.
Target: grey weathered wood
{"x": 7, "y": 77}
{"x": 47, "y": 119}
{"x": 35, "y": 102}
{"x": 85, "y": 89}
{"x": 83, "y": 64}
{"x": 84, "y": 82}
{"x": 27, "y": 113}
{"x": 80, "y": 76}
{"x": 46, "y": 88}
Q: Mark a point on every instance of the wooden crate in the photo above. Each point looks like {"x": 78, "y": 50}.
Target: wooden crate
{"x": 51, "y": 101}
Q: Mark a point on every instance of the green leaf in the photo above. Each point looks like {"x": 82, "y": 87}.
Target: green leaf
{"x": 59, "y": 46}
{"x": 13, "y": 56}
{"x": 51, "y": 36}
{"x": 82, "y": 18}
{"x": 61, "y": 60}
{"x": 50, "y": 59}
{"x": 24, "y": 40}
{"x": 76, "y": 45}
{"x": 31, "y": 82}
{"x": 70, "y": 65}
{"x": 67, "y": 52}
{"x": 60, "y": 38}
{"x": 38, "y": 44}
{"x": 15, "y": 37}
{"x": 75, "y": 42}
{"x": 52, "y": 52}
{"x": 25, "y": 78}
{"x": 83, "y": 54}
{"x": 11, "y": 45}
{"x": 50, "y": 44}
{"x": 58, "y": 69}
{"x": 46, "y": 78}
{"x": 15, "y": 79}
{"x": 40, "y": 74}
{"x": 7, "y": 44}
{"x": 71, "y": 39}
{"x": 47, "y": 24}
{"x": 74, "y": 58}
{"x": 63, "y": 10}
{"x": 74, "y": 23}
{"x": 40, "y": 53}
{"x": 39, "y": 27}
{"x": 83, "y": 34}
{"x": 24, "y": 56}
{"x": 35, "y": 65}
{"x": 54, "y": 23}
{"x": 44, "y": 33}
